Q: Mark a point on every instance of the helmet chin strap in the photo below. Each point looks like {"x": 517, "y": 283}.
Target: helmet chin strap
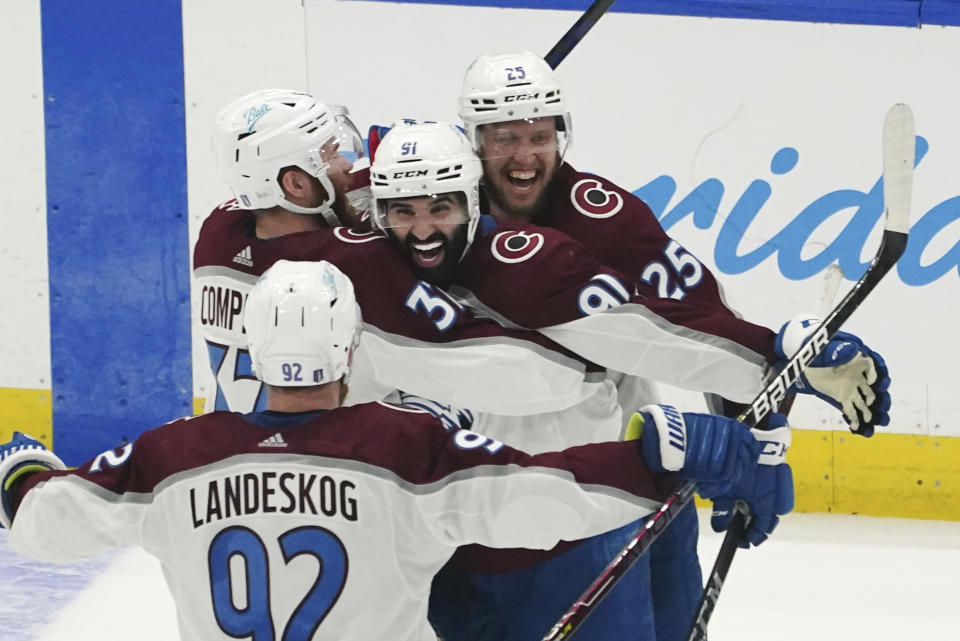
{"x": 325, "y": 208}
{"x": 471, "y": 232}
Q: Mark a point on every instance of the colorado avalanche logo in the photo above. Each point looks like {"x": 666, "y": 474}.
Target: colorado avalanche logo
{"x": 348, "y": 235}
{"x": 515, "y": 246}
{"x": 591, "y": 199}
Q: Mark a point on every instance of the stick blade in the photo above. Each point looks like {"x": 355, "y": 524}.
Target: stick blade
{"x": 899, "y": 151}
{"x": 831, "y": 283}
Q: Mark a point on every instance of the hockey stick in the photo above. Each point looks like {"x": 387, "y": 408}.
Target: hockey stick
{"x": 576, "y": 33}
{"x": 899, "y": 150}
{"x": 898, "y": 158}
{"x": 831, "y": 283}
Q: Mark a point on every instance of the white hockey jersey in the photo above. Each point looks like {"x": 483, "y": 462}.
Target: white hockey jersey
{"x": 325, "y": 524}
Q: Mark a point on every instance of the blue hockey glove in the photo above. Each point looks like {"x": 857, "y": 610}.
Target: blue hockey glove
{"x": 19, "y": 458}
{"x": 452, "y": 418}
{"x": 765, "y": 489}
{"x": 846, "y": 374}
{"x": 711, "y": 450}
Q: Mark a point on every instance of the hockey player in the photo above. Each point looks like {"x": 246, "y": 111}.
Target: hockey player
{"x": 279, "y": 151}
{"x": 515, "y": 116}
{"x": 329, "y": 521}
{"x": 533, "y": 277}
{"x": 286, "y": 157}
{"x": 522, "y": 144}
{"x": 424, "y": 180}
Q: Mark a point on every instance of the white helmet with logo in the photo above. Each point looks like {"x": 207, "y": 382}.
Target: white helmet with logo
{"x": 512, "y": 86}
{"x": 266, "y": 131}
{"x": 302, "y": 323}
{"x": 425, "y": 159}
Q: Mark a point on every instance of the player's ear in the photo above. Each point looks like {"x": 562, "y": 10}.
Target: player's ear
{"x": 293, "y": 181}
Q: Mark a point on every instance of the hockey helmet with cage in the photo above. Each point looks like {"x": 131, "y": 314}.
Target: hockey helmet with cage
{"x": 266, "y": 131}
{"x": 425, "y": 159}
{"x": 512, "y": 86}
{"x": 302, "y": 323}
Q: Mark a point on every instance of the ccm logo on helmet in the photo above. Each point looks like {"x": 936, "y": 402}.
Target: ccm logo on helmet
{"x": 413, "y": 173}
{"x": 521, "y": 96}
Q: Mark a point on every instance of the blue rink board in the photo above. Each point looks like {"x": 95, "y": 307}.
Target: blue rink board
{"x": 116, "y": 220}
{"x": 905, "y": 13}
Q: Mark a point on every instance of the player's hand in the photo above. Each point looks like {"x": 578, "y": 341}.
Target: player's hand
{"x": 20, "y": 457}
{"x": 714, "y": 451}
{"x": 846, "y": 374}
{"x": 765, "y": 489}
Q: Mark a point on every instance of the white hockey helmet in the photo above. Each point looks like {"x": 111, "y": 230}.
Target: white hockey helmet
{"x": 511, "y": 86}
{"x": 425, "y": 159}
{"x": 266, "y": 131}
{"x": 302, "y": 323}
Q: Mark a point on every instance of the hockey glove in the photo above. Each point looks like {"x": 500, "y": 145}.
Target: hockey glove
{"x": 765, "y": 490}
{"x": 452, "y": 418}
{"x": 712, "y": 450}
{"x": 19, "y": 458}
{"x": 846, "y": 374}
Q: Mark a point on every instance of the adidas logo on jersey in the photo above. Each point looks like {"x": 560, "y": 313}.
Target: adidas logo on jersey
{"x": 274, "y": 441}
{"x": 244, "y": 257}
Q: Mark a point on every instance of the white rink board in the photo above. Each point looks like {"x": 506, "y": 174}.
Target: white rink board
{"x": 697, "y": 99}
{"x": 24, "y": 332}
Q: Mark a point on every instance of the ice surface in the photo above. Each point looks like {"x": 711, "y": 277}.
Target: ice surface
{"x": 823, "y": 577}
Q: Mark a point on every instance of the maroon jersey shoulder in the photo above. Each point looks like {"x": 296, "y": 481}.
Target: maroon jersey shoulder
{"x": 227, "y": 239}
{"x": 623, "y": 233}
{"x": 534, "y": 276}
{"x": 412, "y": 444}
{"x": 582, "y": 201}
{"x": 616, "y": 226}
{"x": 403, "y": 442}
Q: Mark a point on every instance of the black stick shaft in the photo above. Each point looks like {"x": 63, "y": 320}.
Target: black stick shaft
{"x": 891, "y": 247}
{"x": 576, "y": 33}
{"x": 711, "y": 592}
{"x": 656, "y": 523}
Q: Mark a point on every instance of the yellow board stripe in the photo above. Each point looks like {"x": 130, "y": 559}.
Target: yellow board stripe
{"x": 26, "y": 410}
{"x": 900, "y": 475}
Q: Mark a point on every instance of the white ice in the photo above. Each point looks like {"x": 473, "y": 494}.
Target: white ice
{"x": 821, "y": 577}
